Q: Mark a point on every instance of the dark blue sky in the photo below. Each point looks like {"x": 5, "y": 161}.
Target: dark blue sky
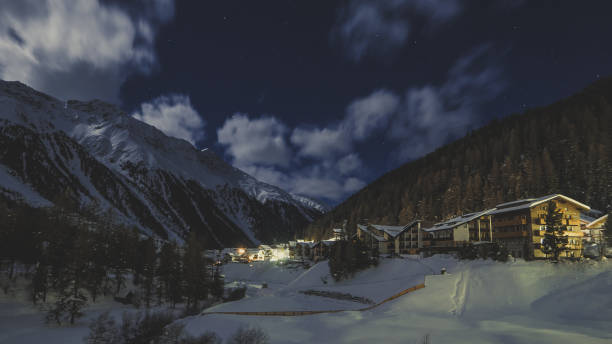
{"x": 322, "y": 97}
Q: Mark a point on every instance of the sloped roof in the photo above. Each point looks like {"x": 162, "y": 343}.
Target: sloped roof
{"x": 365, "y": 229}
{"x": 598, "y": 222}
{"x": 338, "y": 230}
{"x": 310, "y": 244}
{"x": 532, "y": 202}
{"x": 457, "y": 221}
{"x": 394, "y": 231}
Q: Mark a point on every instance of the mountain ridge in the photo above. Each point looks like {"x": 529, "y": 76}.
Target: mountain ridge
{"x": 155, "y": 182}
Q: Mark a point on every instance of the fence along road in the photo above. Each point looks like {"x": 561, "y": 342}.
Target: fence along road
{"x": 301, "y": 313}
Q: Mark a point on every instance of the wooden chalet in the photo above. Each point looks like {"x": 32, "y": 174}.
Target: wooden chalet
{"x": 520, "y": 225}
{"x": 593, "y": 231}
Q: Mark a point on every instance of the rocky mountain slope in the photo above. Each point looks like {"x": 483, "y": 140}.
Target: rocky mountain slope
{"x": 562, "y": 148}
{"x": 93, "y": 155}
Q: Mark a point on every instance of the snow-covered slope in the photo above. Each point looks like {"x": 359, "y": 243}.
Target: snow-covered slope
{"x": 476, "y": 302}
{"x": 97, "y": 154}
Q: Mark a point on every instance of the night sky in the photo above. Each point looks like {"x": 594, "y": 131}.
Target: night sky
{"x": 317, "y": 97}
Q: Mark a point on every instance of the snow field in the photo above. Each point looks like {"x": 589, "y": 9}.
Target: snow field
{"x": 476, "y": 302}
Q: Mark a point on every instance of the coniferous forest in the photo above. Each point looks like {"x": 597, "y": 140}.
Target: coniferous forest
{"x": 69, "y": 261}
{"x": 562, "y": 148}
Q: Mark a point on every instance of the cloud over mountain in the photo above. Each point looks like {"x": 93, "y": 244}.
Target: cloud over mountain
{"x": 174, "y": 115}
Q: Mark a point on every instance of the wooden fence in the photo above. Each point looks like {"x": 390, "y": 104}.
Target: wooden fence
{"x": 301, "y": 313}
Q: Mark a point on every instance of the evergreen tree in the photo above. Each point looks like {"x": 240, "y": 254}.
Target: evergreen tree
{"x": 148, "y": 254}
{"x": 71, "y": 298}
{"x": 194, "y": 272}
{"x": 348, "y": 257}
{"x": 122, "y": 254}
{"x": 554, "y": 241}
{"x": 217, "y": 286}
{"x": 40, "y": 283}
{"x": 169, "y": 274}
{"x": 97, "y": 274}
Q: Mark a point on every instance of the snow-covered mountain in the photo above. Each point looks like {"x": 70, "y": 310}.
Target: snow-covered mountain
{"x": 95, "y": 154}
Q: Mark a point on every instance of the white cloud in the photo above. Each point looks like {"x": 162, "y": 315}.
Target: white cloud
{"x": 352, "y": 185}
{"x": 322, "y": 143}
{"x": 349, "y": 164}
{"x": 255, "y": 141}
{"x": 363, "y": 117}
{"x": 370, "y": 113}
{"x": 430, "y": 116}
{"x": 173, "y": 115}
{"x": 326, "y": 186}
{"x": 76, "y": 43}
{"x": 315, "y": 180}
{"x": 378, "y": 28}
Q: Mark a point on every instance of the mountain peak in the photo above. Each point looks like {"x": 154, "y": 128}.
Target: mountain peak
{"x": 162, "y": 184}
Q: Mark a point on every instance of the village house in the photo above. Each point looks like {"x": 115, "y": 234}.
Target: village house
{"x": 593, "y": 231}
{"x": 405, "y": 239}
{"x": 458, "y": 231}
{"x": 520, "y": 225}
{"x": 304, "y": 250}
{"x": 322, "y": 249}
{"x": 340, "y": 234}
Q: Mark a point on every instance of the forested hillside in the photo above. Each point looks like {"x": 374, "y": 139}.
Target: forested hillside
{"x": 563, "y": 148}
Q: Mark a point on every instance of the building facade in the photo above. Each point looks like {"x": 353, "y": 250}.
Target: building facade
{"x": 458, "y": 231}
{"x": 521, "y": 225}
{"x": 406, "y": 239}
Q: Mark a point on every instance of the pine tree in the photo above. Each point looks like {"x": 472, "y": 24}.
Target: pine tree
{"x": 554, "y": 241}
{"x": 40, "y": 283}
{"x": 169, "y": 274}
{"x": 194, "y": 272}
{"x": 97, "y": 273}
{"x": 217, "y": 287}
{"x": 148, "y": 254}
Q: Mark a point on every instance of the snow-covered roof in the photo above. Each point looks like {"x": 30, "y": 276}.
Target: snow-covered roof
{"x": 328, "y": 242}
{"x": 597, "y": 222}
{"x": 532, "y": 202}
{"x": 394, "y": 231}
{"x": 457, "y": 221}
{"x": 338, "y": 230}
{"x": 365, "y": 229}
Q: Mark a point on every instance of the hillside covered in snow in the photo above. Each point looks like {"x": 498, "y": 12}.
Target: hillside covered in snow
{"x": 92, "y": 154}
{"x": 475, "y": 302}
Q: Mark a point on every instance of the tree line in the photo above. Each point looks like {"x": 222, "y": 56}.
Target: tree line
{"x": 69, "y": 260}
